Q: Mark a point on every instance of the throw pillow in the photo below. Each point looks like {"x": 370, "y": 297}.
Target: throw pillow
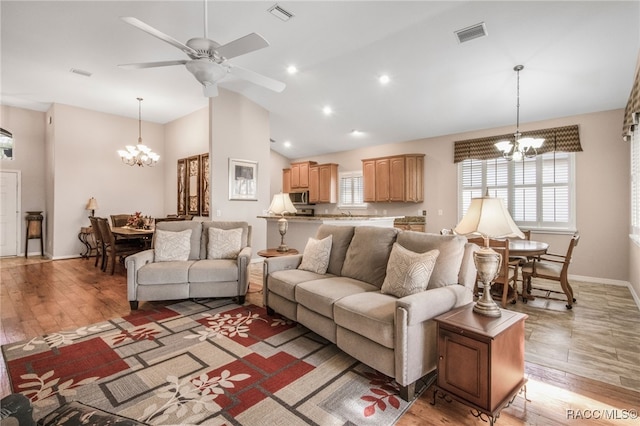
{"x": 224, "y": 243}
{"x": 170, "y": 245}
{"x": 316, "y": 255}
{"x": 408, "y": 272}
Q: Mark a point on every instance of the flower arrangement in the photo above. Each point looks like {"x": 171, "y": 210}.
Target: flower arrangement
{"x": 137, "y": 221}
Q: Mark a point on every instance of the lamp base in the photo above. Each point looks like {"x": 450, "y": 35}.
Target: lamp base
{"x": 487, "y": 263}
{"x": 283, "y": 248}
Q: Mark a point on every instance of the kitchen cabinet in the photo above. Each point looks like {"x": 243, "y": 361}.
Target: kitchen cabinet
{"x": 286, "y": 181}
{"x": 323, "y": 183}
{"x": 398, "y": 178}
{"x": 300, "y": 174}
{"x": 480, "y": 358}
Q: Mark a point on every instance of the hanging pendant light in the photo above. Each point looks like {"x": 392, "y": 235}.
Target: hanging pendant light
{"x": 140, "y": 154}
{"x": 520, "y": 148}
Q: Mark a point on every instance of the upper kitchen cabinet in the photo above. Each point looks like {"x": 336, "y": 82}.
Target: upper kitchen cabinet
{"x": 286, "y": 181}
{"x": 398, "y": 178}
{"x": 300, "y": 174}
{"x": 323, "y": 183}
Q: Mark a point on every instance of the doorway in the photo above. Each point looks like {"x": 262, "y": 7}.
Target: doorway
{"x": 9, "y": 211}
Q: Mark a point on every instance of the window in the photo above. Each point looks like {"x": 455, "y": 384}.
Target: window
{"x": 635, "y": 185}
{"x": 351, "y": 190}
{"x": 537, "y": 191}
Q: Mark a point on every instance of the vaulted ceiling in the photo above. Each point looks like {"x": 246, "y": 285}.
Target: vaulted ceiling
{"x": 578, "y": 57}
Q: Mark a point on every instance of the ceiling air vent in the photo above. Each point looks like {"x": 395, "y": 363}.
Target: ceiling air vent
{"x": 469, "y": 33}
{"x": 280, "y": 13}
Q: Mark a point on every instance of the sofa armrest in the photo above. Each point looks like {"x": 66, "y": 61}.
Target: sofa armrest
{"x": 429, "y": 304}
{"x": 273, "y": 264}
{"x": 133, "y": 263}
{"x": 468, "y": 273}
{"x": 244, "y": 259}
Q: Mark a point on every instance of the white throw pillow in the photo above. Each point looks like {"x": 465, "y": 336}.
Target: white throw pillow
{"x": 408, "y": 272}
{"x": 224, "y": 243}
{"x": 170, "y": 245}
{"x": 316, "y": 255}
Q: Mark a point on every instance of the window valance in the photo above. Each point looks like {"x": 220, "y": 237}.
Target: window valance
{"x": 566, "y": 139}
{"x": 632, "y": 111}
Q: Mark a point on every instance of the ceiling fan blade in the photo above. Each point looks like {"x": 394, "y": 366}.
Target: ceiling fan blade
{"x": 259, "y": 79}
{"x": 243, "y": 45}
{"x": 158, "y": 34}
{"x": 152, "y": 64}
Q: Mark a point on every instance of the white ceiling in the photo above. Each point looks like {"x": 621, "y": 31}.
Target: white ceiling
{"x": 579, "y": 57}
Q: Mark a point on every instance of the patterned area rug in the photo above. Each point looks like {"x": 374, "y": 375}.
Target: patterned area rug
{"x": 208, "y": 362}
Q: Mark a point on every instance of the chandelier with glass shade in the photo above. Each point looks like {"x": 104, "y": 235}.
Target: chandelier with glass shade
{"x": 140, "y": 154}
{"x": 520, "y": 148}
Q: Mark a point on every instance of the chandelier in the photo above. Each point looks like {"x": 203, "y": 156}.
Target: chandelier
{"x": 521, "y": 148}
{"x": 139, "y": 155}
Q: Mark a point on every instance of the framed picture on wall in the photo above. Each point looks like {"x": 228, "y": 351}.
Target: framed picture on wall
{"x": 182, "y": 187}
{"x": 243, "y": 180}
{"x": 193, "y": 185}
{"x": 205, "y": 191}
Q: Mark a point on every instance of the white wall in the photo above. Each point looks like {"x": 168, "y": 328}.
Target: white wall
{"x": 85, "y": 164}
{"x": 28, "y": 129}
{"x": 602, "y": 193}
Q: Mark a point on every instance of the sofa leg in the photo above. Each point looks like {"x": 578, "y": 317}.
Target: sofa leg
{"x": 134, "y": 305}
{"x": 270, "y": 311}
{"x": 408, "y": 393}
{"x": 241, "y": 300}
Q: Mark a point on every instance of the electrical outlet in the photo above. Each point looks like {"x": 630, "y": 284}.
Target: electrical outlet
{"x": 384, "y": 212}
{"x": 424, "y": 212}
{"x": 440, "y": 212}
{"x": 218, "y": 212}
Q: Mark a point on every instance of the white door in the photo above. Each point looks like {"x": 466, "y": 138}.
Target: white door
{"x": 9, "y": 213}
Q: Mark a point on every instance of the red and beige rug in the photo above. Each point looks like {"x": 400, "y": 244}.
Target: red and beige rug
{"x": 202, "y": 363}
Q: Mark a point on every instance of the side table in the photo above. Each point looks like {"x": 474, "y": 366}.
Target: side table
{"x": 480, "y": 359}
{"x": 85, "y": 236}
{"x": 272, "y": 252}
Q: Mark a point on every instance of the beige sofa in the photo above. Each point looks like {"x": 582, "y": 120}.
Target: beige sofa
{"x": 199, "y": 276}
{"x": 395, "y": 336}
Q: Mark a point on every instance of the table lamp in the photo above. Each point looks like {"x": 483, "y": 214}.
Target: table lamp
{"x": 92, "y": 205}
{"x": 282, "y": 204}
{"x": 487, "y": 217}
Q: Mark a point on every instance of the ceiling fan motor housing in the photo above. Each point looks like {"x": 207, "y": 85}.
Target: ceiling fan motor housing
{"x": 206, "y": 48}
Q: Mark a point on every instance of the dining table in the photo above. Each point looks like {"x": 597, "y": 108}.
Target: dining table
{"x": 128, "y": 233}
{"x": 527, "y": 248}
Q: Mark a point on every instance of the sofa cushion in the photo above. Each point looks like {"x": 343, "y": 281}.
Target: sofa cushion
{"x": 408, "y": 272}
{"x": 224, "y": 243}
{"x": 171, "y": 245}
{"x": 213, "y": 270}
{"x": 246, "y": 233}
{"x": 368, "y": 254}
{"x": 369, "y": 314}
{"x": 316, "y": 255}
{"x": 284, "y": 282}
{"x": 451, "y": 248}
{"x": 181, "y": 225}
{"x": 320, "y": 295}
{"x": 340, "y": 239}
{"x": 176, "y": 272}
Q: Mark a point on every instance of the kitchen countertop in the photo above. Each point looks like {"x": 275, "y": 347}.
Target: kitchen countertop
{"x": 331, "y": 217}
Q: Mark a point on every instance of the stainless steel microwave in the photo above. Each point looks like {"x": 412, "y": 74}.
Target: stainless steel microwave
{"x": 299, "y": 198}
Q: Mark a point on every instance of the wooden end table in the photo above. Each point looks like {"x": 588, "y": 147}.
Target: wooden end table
{"x": 272, "y": 252}
{"x": 480, "y": 360}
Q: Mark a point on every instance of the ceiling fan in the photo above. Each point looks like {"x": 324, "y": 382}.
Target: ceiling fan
{"x": 208, "y": 59}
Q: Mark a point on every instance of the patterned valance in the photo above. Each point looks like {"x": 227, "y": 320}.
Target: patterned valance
{"x": 632, "y": 111}
{"x": 566, "y": 139}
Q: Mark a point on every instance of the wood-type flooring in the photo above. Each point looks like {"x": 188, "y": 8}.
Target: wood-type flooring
{"x": 583, "y": 365}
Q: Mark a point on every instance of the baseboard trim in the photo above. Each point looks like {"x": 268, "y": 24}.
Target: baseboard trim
{"x": 608, "y": 281}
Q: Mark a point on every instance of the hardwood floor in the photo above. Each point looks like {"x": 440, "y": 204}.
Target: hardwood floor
{"x": 565, "y": 350}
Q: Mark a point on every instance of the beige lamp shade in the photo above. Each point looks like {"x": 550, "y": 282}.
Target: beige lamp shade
{"x": 488, "y": 217}
{"x": 92, "y": 204}
{"x": 281, "y": 204}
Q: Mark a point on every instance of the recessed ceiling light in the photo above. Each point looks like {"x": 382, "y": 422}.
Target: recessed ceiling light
{"x": 356, "y": 132}
{"x": 287, "y": 144}
{"x": 327, "y": 110}
{"x": 384, "y": 79}
{"x": 291, "y": 69}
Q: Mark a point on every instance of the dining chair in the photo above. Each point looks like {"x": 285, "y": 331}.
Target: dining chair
{"x": 508, "y": 271}
{"x": 114, "y": 248}
{"x": 553, "y": 267}
{"x": 119, "y": 219}
{"x": 97, "y": 235}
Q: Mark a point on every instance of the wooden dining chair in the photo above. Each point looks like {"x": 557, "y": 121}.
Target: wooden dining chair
{"x": 113, "y": 248}
{"x": 508, "y": 273}
{"x": 553, "y": 267}
{"x": 119, "y": 219}
{"x": 97, "y": 235}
